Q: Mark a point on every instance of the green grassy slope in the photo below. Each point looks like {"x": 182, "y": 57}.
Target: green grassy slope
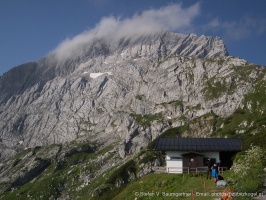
{"x": 171, "y": 186}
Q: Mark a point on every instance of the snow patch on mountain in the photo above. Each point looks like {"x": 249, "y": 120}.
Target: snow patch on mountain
{"x": 96, "y": 75}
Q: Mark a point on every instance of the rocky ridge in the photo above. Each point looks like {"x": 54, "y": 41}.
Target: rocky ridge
{"x": 155, "y": 78}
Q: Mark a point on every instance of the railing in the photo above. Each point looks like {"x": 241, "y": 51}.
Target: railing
{"x": 178, "y": 170}
{"x": 192, "y": 170}
{"x": 159, "y": 170}
{"x": 222, "y": 169}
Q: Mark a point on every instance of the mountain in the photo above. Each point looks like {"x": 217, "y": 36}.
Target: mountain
{"x": 99, "y": 105}
{"x": 53, "y": 101}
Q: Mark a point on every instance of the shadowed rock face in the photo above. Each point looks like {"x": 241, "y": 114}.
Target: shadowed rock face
{"x": 153, "y": 79}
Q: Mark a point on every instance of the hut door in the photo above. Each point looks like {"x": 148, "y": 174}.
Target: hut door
{"x": 193, "y": 162}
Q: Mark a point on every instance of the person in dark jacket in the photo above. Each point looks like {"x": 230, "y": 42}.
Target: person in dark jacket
{"x": 209, "y": 170}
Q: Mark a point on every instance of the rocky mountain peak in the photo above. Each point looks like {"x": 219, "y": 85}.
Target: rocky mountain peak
{"x": 153, "y": 45}
{"x": 150, "y": 46}
{"x": 169, "y": 43}
{"x": 122, "y": 91}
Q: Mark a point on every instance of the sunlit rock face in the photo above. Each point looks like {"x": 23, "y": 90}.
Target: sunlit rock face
{"x": 125, "y": 91}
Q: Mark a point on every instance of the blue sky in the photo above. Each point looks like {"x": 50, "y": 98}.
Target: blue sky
{"x": 31, "y": 29}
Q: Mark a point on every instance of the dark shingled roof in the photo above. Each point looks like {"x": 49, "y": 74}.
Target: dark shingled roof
{"x": 199, "y": 144}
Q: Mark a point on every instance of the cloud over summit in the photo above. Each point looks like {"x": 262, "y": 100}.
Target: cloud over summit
{"x": 172, "y": 17}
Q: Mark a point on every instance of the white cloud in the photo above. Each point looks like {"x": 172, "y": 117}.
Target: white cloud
{"x": 214, "y": 24}
{"x": 172, "y": 17}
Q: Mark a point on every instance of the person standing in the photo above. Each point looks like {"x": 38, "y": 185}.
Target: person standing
{"x": 209, "y": 170}
{"x": 215, "y": 172}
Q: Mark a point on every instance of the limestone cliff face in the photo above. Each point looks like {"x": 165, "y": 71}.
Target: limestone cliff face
{"x": 153, "y": 83}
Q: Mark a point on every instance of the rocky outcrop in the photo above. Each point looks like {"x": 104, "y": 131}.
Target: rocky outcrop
{"x": 32, "y": 162}
{"x": 155, "y": 82}
{"x": 24, "y": 168}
